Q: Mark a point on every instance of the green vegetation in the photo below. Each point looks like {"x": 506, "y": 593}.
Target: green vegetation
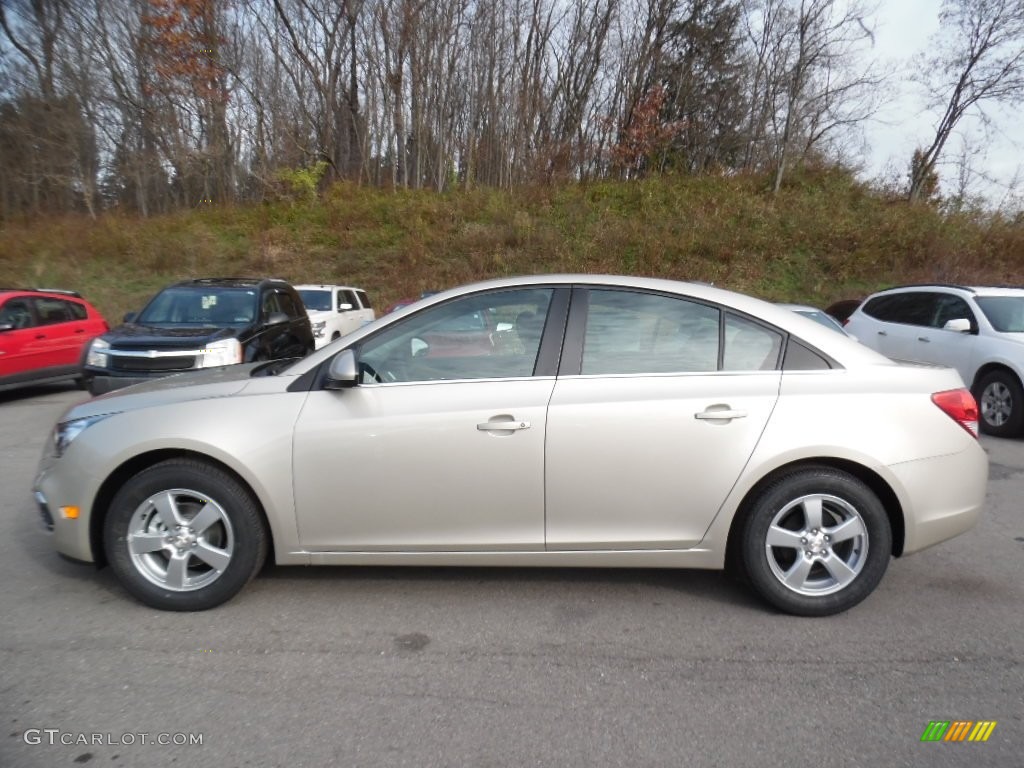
{"x": 823, "y": 238}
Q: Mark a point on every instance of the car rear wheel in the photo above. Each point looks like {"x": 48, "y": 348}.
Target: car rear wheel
{"x": 816, "y": 542}
{"x": 184, "y": 535}
{"x": 1000, "y": 404}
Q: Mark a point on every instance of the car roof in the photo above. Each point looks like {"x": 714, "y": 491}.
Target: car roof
{"x": 231, "y": 282}
{"x": 314, "y": 286}
{"x": 975, "y": 290}
{"x": 56, "y": 292}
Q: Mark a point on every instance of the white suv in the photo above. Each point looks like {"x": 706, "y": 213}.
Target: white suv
{"x": 335, "y": 310}
{"x": 979, "y": 331}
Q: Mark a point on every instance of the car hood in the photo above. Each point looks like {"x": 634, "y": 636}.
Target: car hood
{"x": 318, "y": 314}
{"x": 140, "y": 336}
{"x": 193, "y": 385}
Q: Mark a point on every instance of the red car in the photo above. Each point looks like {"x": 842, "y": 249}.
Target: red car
{"x": 42, "y": 335}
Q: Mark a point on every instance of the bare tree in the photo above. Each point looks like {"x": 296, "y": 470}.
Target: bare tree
{"x": 820, "y": 43}
{"x": 978, "y": 60}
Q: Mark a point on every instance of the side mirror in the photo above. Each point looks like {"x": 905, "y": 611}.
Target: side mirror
{"x": 343, "y": 372}
{"x": 344, "y": 307}
{"x": 6, "y": 327}
{"x": 958, "y": 325}
{"x": 277, "y": 318}
{"x": 129, "y": 317}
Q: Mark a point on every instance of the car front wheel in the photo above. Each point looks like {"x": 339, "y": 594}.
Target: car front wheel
{"x": 1000, "y": 404}
{"x": 184, "y": 535}
{"x": 816, "y": 542}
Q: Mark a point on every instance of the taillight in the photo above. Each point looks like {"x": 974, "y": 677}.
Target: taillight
{"x": 959, "y": 405}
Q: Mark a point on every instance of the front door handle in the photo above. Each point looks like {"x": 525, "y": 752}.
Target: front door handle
{"x": 925, "y": 339}
{"x": 721, "y": 414}
{"x": 505, "y": 425}
{"x": 882, "y": 333}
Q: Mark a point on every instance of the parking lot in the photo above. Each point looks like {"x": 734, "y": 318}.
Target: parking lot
{"x": 504, "y": 667}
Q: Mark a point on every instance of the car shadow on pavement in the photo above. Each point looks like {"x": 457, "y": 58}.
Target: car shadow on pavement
{"x": 702, "y": 585}
{"x": 39, "y": 390}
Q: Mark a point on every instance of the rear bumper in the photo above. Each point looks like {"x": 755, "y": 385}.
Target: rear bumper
{"x": 943, "y": 496}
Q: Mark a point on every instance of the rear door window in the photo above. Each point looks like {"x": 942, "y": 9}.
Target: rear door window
{"x": 630, "y": 332}
{"x": 52, "y": 311}
{"x": 913, "y": 308}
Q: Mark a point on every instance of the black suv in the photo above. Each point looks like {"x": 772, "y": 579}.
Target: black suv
{"x": 201, "y": 324}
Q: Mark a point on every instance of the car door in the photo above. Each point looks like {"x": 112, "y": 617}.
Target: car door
{"x": 956, "y": 349}
{"x": 366, "y": 314}
{"x": 65, "y": 331}
{"x": 280, "y": 340}
{"x": 21, "y": 351}
{"x": 659, "y": 404}
{"x": 435, "y": 449}
{"x": 897, "y": 322}
{"x": 348, "y": 311}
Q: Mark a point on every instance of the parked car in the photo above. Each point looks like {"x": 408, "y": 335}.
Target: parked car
{"x": 815, "y": 314}
{"x": 403, "y": 303}
{"x": 42, "y": 334}
{"x": 633, "y": 423}
{"x": 979, "y": 331}
{"x": 335, "y": 310}
{"x": 842, "y": 309}
{"x": 201, "y": 323}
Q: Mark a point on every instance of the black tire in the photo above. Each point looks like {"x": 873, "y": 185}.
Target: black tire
{"x": 1000, "y": 404}
{"x": 827, "y": 574}
{"x": 180, "y": 567}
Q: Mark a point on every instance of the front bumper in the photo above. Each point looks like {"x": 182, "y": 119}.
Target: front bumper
{"x": 53, "y": 494}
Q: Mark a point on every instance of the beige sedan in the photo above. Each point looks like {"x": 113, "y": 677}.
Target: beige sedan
{"x": 570, "y": 420}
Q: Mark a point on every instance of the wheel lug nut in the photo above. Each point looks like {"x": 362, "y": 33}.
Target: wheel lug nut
{"x": 803, "y": 541}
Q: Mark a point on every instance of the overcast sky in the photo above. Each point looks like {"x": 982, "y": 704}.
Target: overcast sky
{"x": 904, "y": 27}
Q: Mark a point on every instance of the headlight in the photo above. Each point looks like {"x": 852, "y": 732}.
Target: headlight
{"x": 318, "y": 328}
{"x": 224, "y": 352}
{"x": 67, "y": 431}
{"x": 97, "y": 356}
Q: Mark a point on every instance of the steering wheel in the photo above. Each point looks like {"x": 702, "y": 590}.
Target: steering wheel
{"x": 368, "y": 370}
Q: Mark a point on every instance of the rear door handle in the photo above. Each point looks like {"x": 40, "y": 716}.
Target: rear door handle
{"x": 925, "y": 339}
{"x": 724, "y": 414}
{"x": 882, "y": 333}
{"x": 505, "y": 425}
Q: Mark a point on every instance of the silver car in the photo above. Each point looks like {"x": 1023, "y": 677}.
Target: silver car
{"x": 570, "y": 420}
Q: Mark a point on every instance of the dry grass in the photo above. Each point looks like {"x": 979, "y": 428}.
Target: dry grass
{"x": 825, "y": 237}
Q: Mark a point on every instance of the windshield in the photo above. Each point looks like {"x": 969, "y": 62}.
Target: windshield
{"x": 1006, "y": 313}
{"x": 201, "y": 305}
{"x": 316, "y": 299}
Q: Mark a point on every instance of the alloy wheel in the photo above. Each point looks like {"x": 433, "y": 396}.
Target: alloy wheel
{"x": 180, "y": 540}
{"x": 817, "y": 545}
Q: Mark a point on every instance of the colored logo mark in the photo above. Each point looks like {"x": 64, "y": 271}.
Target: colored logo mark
{"x": 958, "y": 730}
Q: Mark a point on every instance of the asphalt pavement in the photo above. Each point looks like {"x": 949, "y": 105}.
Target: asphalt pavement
{"x": 504, "y": 667}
